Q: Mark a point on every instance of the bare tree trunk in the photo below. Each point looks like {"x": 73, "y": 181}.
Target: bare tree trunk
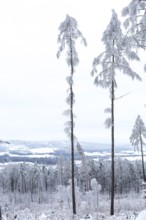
{"x": 143, "y": 170}
{"x": 72, "y": 158}
{"x": 112, "y": 153}
{"x": 112, "y": 145}
{"x": 72, "y": 132}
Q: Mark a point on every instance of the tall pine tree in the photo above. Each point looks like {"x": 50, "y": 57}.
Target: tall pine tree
{"x": 111, "y": 62}
{"x": 69, "y": 33}
{"x": 136, "y": 139}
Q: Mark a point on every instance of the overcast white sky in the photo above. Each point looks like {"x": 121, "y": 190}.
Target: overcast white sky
{"x": 32, "y": 79}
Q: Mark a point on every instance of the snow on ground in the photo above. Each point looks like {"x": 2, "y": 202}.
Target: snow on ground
{"x": 142, "y": 215}
{"x": 18, "y": 207}
{"x": 43, "y": 150}
{"x": 35, "y": 211}
{"x": 27, "y": 215}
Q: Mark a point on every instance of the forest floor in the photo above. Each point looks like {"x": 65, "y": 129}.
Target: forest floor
{"x": 26, "y": 214}
{"x": 129, "y": 207}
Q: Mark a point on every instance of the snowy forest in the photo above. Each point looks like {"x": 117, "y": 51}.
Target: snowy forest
{"x": 113, "y": 188}
{"x": 49, "y": 186}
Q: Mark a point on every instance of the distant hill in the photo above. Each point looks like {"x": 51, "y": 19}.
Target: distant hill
{"x": 50, "y": 151}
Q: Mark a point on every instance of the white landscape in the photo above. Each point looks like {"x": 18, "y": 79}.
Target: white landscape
{"x": 55, "y": 202}
{"x": 51, "y": 72}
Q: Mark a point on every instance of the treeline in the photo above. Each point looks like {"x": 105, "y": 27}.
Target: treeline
{"x": 40, "y": 160}
{"x": 38, "y": 182}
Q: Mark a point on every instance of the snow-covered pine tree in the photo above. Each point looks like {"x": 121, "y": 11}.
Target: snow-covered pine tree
{"x": 109, "y": 62}
{"x": 67, "y": 37}
{"x": 84, "y": 170}
{"x": 135, "y": 22}
{"x": 136, "y": 139}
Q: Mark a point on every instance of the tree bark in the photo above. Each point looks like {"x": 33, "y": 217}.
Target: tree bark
{"x": 143, "y": 170}
{"x": 72, "y": 131}
{"x": 112, "y": 144}
{"x": 112, "y": 153}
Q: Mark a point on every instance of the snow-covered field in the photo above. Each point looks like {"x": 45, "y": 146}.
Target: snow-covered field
{"x": 50, "y": 149}
{"x": 128, "y": 208}
{"x": 26, "y": 214}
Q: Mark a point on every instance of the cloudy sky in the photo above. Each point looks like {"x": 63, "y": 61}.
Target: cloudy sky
{"x": 32, "y": 79}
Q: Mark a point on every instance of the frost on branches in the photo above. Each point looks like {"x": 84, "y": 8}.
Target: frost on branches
{"x": 136, "y": 139}
{"x": 135, "y": 22}
{"x": 114, "y": 56}
{"x": 110, "y": 61}
{"x": 138, "y": 132}
{"x": 69, "y": 33}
